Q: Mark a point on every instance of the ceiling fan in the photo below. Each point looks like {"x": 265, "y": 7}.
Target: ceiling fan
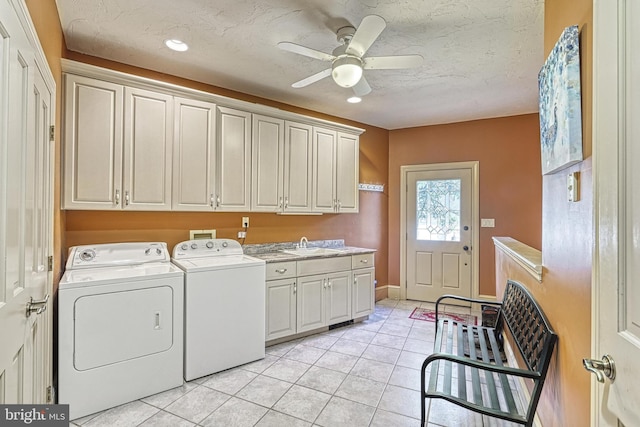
{"x": 348, "y": 61}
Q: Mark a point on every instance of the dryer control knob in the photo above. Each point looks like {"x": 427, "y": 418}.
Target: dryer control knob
{"x": 158, "y": 251}
{"x": 209, "y": 245}
{"x": 225, "y": 244}
{"x": 87, "y": 255}
{"x": 184, "y": 247}
{"x": 194, "y": 246}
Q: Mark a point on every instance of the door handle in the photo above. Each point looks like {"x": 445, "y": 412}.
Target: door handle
{"x": 37, "y": 306}
{"x": 465, "y": 248}
{"x": 601, "y": 368}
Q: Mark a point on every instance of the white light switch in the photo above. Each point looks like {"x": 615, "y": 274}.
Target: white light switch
{"x": 487, "y": 222}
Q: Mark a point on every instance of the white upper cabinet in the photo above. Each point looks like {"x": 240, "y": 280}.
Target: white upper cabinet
{"x": 233, "y": 163}
{"x": 92, "y": 144}
{"x": 298, "y": 162}
{"x": 267, "y": 180}
{"x": 194, "y": 150}
{"x": 148, "y": 146}
{"x": 324, "y": 170}
{"x": 347, "y": 171}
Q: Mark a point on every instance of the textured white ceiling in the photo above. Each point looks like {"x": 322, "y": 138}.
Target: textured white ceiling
{"x": 482, "y": 57}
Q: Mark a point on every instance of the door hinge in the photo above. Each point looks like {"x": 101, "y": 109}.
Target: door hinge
{"x": 50, "y": 263}
{"x": 49, "y": 396}
{"x": 52, "y": 131}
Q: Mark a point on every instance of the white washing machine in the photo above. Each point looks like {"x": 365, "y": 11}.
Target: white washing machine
{"x": 224, "y": 305}
{"x": 120, "y": 325}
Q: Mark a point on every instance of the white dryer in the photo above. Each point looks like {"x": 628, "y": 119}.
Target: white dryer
{"x": 120, "y": 325}
{"x": 224, "y": 305}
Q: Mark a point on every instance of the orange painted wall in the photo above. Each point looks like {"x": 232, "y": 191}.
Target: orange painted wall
{"x": 567, "y": 242}
{"x": 508, "y": 150}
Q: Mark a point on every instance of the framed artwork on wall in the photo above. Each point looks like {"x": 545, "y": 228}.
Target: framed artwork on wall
{"x": 560, "y": 104}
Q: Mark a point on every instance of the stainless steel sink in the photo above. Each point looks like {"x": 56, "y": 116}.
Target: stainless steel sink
{"x": 312, "y": 251}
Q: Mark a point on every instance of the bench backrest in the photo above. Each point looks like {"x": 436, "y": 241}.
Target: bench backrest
{"x": 529, "y": 327}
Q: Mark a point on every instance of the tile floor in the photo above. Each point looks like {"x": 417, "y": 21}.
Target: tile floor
{"x": 366, "y": 374}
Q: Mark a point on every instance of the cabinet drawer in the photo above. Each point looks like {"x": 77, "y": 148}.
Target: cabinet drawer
{"x": 281, "y": 270}
{"x": 362, "y": 261}
{"x": 323, "y": 265}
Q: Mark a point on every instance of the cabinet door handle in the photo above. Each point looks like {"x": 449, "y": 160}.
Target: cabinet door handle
{"x": 339, "y": 205}
{"x": 217, "y": 201}
{"x": 324, "y": 283}
{"x": 286, "y": 202}
{"x": 117, "y": 197}
{"x": 328, "y": 283}
{"x": 295, "y": 288}
{"x": 211, "y": 200}
{"x": 126, "y": 198}
{"x": 280, "y": 202}
{"x": 355, "y": 280}
{"x": 364, "y": 261}
{"x": 281, "y": 270}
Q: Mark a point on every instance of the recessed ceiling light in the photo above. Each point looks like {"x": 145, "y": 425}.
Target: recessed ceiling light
{"x": 177, "y": 45}
{"x": 354, "y": 99}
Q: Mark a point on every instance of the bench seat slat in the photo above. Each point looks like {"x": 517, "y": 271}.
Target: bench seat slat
{"x": 504, "y": 380}
{"x": 475, "y": 373}
{"x": 491, "y": 385}
{"x": 462, "y": 381}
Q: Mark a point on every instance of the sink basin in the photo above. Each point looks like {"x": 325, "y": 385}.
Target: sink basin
{"x": 312, "y": 251}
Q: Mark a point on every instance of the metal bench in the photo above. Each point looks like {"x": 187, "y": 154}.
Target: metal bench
{"x": 466, "y": 367}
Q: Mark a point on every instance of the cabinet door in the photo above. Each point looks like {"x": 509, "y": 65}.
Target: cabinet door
{"x": 363, "y": 292}
{"x": 233, "y": 163}
{"x": 310, "y": 300}
{"x": 194, "y": 149}
{"x": 267, "y": 149}
{"x": 93, "y": 144}
{"x": 148, "y": 147}
{"x": 324, "y": 170}
{"x": 298, "y": 164}
{"x": 347, "y": 171}
{"x": 281, "y": 308}
{"x": 338, "y": 297}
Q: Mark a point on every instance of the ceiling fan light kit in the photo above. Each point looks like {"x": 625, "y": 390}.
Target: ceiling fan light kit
{"x": 346, "y": 71}
{"x": 348, "y": 62}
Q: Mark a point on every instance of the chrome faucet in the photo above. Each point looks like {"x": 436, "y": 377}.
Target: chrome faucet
{"x": 303, "y": 243}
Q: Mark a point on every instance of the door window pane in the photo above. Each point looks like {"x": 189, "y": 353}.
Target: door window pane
{"x": 438, "y": 210}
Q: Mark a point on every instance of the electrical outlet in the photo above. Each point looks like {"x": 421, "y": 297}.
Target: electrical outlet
{"x": 245, "y": 221}
{"x": 242, "y": 234}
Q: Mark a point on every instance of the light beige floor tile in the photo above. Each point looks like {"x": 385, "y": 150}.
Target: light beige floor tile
{"x": 281, "y": 349}
{"x": 400, "y": 321}
{"x": 260, "y": 365}
{"x": 305, "y": 354}
{"x": 395, "y": 329}
{"x": 389, "y": 419}
{"x": 411, "y": 360}
{"x": 359, "y": 335}
{"x": 401, "y": 400}
{"x": 197, "y": 404}
{"x": 337, "y": 361}
{"x": 322, "y": 379}
{"x": 342, "y": 412}
{"x": 278, "y": 419}
{"x": 418, "y": 346}
{"x": 237, "y": 413}
{"x": 405, "y": 377}
{"x": 302, "y": 402}
{"x": 392, "y": 341}
{"x": 162, "y": 400}
{"x": 287, "y": 370}
{"x": 129, "y": 414}
{"x": 231, "y": 381}
{"x": 447, "y": 414}
{"x": 361, "y": 390}
{"x": 373, "y": 370}
{"x": 421, "y": 334}
{"x": 165, "y": 419}
{"x": 320, "y": 341}
{"x": 381, "y": 354}
{"x": 345, "y": 346}
{"x": 264, "y": 391}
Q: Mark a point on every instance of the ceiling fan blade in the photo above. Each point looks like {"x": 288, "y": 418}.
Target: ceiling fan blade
{"x": 392, "y": 62}
{"x": 312, "y": 79}
{"x": 362, "y": 88}
{"x": 306, "y": 51}
{"x": 368, "y": 31}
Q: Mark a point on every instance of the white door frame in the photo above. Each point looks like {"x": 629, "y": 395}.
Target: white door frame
{"x": 475, "y": 219}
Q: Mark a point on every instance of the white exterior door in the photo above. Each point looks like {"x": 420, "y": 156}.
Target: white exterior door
{"x": 438, "y": 239}
{"x": 616, "y": 274}
{"x": 26, "y": 113}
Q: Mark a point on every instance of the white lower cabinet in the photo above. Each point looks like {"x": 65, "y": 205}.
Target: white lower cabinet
{"x": 323, "y": 292}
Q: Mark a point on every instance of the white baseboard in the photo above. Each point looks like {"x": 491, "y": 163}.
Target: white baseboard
{"x": 393, "y": 291}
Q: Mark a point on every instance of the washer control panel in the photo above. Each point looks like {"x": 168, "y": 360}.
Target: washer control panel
{"x": 206, "y": 248}
{"x": 113, "y": 254}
